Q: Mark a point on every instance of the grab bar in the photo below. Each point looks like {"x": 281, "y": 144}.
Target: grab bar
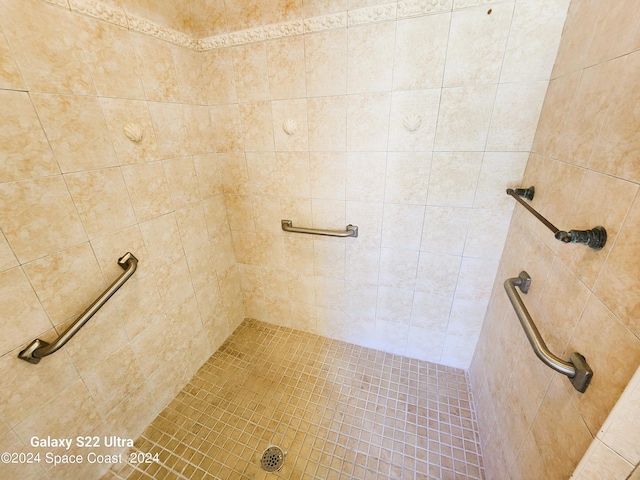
{"x": 577, "y": 368}
{"x": 39, "y": 348}
{"x": 594, "y": 238}
{"x": 351, "y": 230}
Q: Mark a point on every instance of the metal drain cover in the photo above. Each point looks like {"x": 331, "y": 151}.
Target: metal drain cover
{"x": 272, "y": 459}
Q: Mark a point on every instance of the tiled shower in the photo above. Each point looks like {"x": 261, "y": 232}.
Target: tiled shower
{"x": 185, "y": 137}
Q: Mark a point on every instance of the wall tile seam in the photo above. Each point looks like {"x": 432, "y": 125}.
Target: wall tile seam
{"x": 586, "y": 168}
{"x": 627, "y": 398}
{"x": 495, "y": 426}
{"x": 398, "y": 10}
{"x": 583, "y": 471}
{"x": 591, "y": 65}
{"x": 56, "y": 325}
{"x": 591, "y": 290}
{"x": 145, "y": 100}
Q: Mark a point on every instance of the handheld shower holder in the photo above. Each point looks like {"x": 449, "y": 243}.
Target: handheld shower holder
{"x": 595, "y": 238}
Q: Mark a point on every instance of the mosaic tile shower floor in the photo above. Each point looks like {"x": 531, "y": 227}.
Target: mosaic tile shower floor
{"x": 339, "y": 411}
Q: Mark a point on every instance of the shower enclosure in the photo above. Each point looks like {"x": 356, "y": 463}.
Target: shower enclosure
{"x": 186, "y": 134}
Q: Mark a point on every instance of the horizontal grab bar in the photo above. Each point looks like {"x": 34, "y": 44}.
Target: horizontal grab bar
{"x": 595, "y": 238}
{"x": 576, "y": 368}
{"x": 39, "y": 348}
{"x": 351, "y": 230}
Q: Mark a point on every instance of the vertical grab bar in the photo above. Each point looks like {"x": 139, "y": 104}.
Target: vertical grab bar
{"x": 577, "y": 368}
{"x": 38, "y": 349}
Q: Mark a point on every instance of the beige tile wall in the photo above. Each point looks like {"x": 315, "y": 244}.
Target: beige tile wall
{"x": 215, "y": 173}
{"x": 584, "y": 164}
{"x": 402, "y": 129}
{"x": 75, "y": 195}
{"x": 614, "y": 451}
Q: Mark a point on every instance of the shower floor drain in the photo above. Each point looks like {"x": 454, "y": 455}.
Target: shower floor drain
{"x": 272, "y": 459}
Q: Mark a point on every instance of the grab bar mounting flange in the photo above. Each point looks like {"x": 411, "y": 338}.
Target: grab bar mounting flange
{"x": 576, "y": 369}
{"x": 349, "y": 231}
{"x": 523, "y": 282}
{"x": 38, "y": 349}
{"x": 584, "y": 374}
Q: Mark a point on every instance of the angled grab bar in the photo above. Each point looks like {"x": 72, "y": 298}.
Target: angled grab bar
{"x": 577, "y": 368}
{"x": 594, "y": 238}
{"x": 39, "y": 348}
{"x": 351, "y": 230}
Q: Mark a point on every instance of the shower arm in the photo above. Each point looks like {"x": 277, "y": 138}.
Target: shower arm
{"x": 38, "y": 349}
{"x": 576, "y": 369}
{"x": 594, "y": 238}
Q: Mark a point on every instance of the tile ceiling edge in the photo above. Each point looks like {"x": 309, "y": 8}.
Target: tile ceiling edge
{"x": 394, "y": 10}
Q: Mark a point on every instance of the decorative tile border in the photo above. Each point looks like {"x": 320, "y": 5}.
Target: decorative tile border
{"x": 144, "y": 26}
{"x": 325, "y": 22}
{"x": 350, "y": 18}
{"x": 100, "y": 10}
{"x": 250, "y": 35}
{"x": 418, "y": 8}
{"x": 284, "y": 29}
{"x": 59, "y": 3}
{"x": 378, "y": 13}
{"x": 211, "y": 43}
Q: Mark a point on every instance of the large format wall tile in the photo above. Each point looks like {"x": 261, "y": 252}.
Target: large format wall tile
{"x": 370, "y": 58}
{"x": 326, "y": 63}
{"x": 583, "y": 168}
{"x": 16, "y": 285}
{"x": 285, "y": 59}
{"x": 617, "y": 141}
{"x": 533, "y": 40}
{"x": 25, "y": 150}
{"x": 112, "y": 59}
{"x": 66, "y": 281}
{"x": 620, "y": 270}
{"x": 76, "y": 194}
{"x": 39, "y": 217}
{"x": 76, "y": 130}
{"x": 464, "y": 118}
{"x": 419, "y": 68}
{"x": 102, "y": 201}
{"x": 157, "y": 69}
{"x": 361, "y": 97}
{"x": 48, "y": 61}
{"x": 10, "y": 77}
{"x": 479, "y": 61}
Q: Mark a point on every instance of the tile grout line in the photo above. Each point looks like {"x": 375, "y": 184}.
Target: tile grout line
{"x": 338, "y": 410}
